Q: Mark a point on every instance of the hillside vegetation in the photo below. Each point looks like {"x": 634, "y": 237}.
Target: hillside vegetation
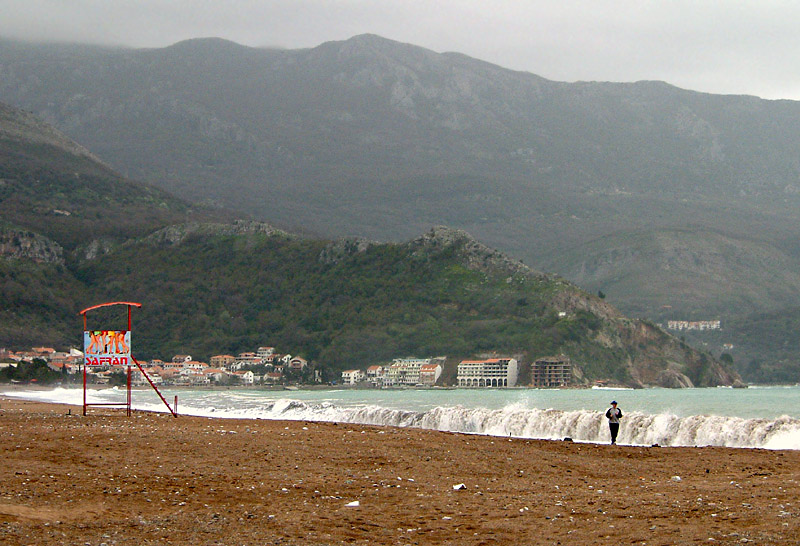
{"x": 701, "y": 274}
{"x": 352, "y": 304}
{"x": 55, "y": 187}
{"x": 766, "y": 346}
{"x": 227, "y": 287}
{"x": 59, "y": 204}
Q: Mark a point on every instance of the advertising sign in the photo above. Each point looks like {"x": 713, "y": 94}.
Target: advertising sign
{"x": 107, "y": 347}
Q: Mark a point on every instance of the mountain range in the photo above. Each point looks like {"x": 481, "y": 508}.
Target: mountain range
{"x": 73, "y": 233}
{"x": 672, "y": 203}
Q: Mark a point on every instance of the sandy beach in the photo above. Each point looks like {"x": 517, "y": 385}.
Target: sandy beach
{"x": 152, "y": 479}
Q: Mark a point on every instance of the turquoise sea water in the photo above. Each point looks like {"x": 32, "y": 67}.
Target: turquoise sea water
{"x": 767, "y": 417}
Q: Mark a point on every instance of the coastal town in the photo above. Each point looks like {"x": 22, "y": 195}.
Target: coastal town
{"x": 266, "y": 367}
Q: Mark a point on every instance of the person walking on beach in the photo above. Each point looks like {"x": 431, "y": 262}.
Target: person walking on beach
{"x": 613, "y": 415}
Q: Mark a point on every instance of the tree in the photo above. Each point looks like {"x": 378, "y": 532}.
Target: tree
{"x": 118, "y": 379}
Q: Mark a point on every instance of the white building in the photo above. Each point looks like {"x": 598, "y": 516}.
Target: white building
{"x": 406, "y": 371}
{"x": 493, "y": 372}
{"x": 265, "y": 352}
{"x": 375, "y": 375}
{"x": 245, "y": 360}
{"x": 138, "y": 379}
{"x": 246, "y": 378}
{"x": 429, "y": 373}
{"x": 215, "y": 374}
{"x": 351, "y": 377}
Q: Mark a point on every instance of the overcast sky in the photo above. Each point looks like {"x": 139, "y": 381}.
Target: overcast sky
{"x": 723, "y": 46}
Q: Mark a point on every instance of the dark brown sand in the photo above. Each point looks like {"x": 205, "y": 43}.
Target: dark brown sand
{"x": 151, "y": 479}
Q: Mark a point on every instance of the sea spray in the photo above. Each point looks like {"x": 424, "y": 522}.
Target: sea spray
{"x": 674, "y": 418}
{"x": 550, "y": 424}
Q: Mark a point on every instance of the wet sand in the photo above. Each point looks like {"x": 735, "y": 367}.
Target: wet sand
{"x": 152, "y": 479}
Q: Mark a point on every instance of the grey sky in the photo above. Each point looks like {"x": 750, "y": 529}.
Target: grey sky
{"x": 724, "y": 46}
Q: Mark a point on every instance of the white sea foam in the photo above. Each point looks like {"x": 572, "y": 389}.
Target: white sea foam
{"x": 516, "y": 419}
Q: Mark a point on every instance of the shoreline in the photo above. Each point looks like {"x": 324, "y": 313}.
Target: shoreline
{"x": 776, "y": 432}
{"x": 154, "y": 479}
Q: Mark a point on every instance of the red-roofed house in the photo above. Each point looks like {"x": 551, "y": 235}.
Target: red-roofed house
{"x": 246, "y": 378}
{"x": 221, "y": 361}
{"x": 43, "y": 352}
{"x": 351, "y": 377}
{"x": 298, "y": 363}
{"x": 137, "y": 378}
{"x": 430, "y": 373}
{"x": 375, "y": 375}
{"x": 217, "y": 375}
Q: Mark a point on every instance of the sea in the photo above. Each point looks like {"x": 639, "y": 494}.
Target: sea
{"x": 756, "y": 417}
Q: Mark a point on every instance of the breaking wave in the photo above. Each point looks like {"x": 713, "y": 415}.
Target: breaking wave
{"x": 516, "y": 420}
{"x": 520, "y": 422}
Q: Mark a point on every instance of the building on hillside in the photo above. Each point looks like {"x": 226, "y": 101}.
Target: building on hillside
{"x": 403, "y": 371}
{"x": 375, "y": 375}
{"x": 175, "y": 365}
{"x": 298, "y": 363}
{"x": 246, "y": 377}
{"x": 429, "y": 373}
{"x": 66, "y": 361}
{"x": 694, "y": 325}
{"x": 249, "y": 356}
{"x": 217, "y": 375}
{"x": 66, "y": 367}
{"x": 169, "y": 375}
{"x": 551, "y": 371}
{"x": 194, "y": 376}
{"x": 221, "y": 361}
{"x": 493, "y": 372}
{"x": 351, "y": 377}
{"x": 179, "y": 359}
{"x": 245, "y": 360}
{"x": 406, "y": 371}
{"x": 138, "y": 378}
{"x": 265, "y": 352}
{"x": 43, "y": 352}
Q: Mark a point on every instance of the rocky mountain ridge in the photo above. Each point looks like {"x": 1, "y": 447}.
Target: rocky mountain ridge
{"x": 21, "y": 244}
{"x": 222, "y": 285}
{"x": 372, "y": 138}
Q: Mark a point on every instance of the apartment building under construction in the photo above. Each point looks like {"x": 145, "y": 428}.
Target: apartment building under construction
{"x": 551, "y": 371}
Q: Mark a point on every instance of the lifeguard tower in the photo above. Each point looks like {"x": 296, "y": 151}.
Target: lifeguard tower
{"x": 111, "y": 349}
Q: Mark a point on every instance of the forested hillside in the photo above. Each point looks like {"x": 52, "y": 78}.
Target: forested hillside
{"x": 74, "y": 233}
{"x": 59, "y": 204}
{"x": 352, "y": 304}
